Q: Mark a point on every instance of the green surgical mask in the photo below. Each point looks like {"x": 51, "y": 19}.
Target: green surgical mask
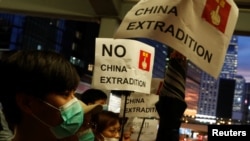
{"x": 72, "y": 115}
{"x": 87, "y": 135}
{"x": 105, "y": 107}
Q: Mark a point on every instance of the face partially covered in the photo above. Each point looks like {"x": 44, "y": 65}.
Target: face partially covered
{"x": 112, "y": 131}
{"x": 38, "y": 97}
{"x": 85, "y": 132}
{"x": 62, "y": 114}
{"x": 47, "y": 108}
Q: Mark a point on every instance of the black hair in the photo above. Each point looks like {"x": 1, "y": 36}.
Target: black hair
{"x": 103, "y": 120}
{"x": 91, "y": 95}
{"x": 35, "y": 73}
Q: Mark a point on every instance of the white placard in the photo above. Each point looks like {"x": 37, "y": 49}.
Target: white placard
{"x": 123, "y": 64}
{"x": 199, "y": 29}
{"x": 148, "y": 132}
{"x": 139, "y": 105}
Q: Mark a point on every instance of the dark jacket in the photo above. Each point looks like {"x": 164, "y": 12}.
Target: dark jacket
{"x": 171, "y": 104}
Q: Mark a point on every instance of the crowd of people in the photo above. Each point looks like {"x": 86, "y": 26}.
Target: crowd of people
{"x": 39, "y": 102}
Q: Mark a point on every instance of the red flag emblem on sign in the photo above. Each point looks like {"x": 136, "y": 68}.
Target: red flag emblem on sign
{"x": 144, "y": 60}
{"x": 216, "y": 12}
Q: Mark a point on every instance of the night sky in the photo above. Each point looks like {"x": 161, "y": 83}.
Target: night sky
{"x": 244, "y": 57}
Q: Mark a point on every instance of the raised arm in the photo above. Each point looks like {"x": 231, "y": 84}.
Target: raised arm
{"x": 171, "y": 104}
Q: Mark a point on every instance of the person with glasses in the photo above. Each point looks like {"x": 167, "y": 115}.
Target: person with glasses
{"x": 38, "y": 97}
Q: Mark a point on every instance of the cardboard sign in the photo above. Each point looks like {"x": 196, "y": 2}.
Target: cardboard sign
{"x": 123, "y": 64}
{"x": 199, "y": 29}
{"x": 140, "y": 105}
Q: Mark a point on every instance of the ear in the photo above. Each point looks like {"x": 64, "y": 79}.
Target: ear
{"x": 24, "y": 102}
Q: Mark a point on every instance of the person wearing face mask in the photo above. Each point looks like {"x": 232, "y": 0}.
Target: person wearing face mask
{"x": 94, "y": 96}
{"x": 107, "y": 126}
{"x": 85, "y": 131}
{"x": 38, "y": 97}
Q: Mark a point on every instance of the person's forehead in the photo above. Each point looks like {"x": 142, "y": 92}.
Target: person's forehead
{"x": 115, "y": 126}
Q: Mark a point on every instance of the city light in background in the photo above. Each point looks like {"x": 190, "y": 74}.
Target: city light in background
{"x": 243, "y": 69}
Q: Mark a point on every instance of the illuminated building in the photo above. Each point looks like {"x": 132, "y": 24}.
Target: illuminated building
{"x": 208, "y": 103}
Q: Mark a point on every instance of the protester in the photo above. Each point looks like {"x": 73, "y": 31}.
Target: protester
{"x": 171, "y": 104}
{"x": 107, "y": 126}
{"x": 94, "y": 96}
{"x": 38, "y": 97}
{"x": 85, "y": 131}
